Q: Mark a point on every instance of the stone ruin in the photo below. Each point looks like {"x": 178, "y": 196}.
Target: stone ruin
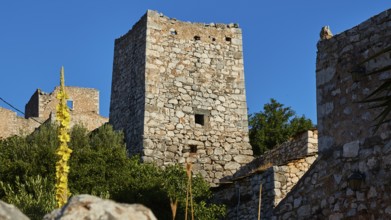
{"x": 84, "y": 110}
{"x": 178, "y": 94}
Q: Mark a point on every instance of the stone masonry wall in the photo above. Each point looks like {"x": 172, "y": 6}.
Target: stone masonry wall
{"x": 347, "y": 142}
{"x": 11, "y": 124}
{"x": 196, "y": 69}
{"x": 127, "y": 104}
{"x": 32, "y": 107}
{"x": 84, "y": 100}
{"x": 302, "y": 146}
{"x": 242, "y": 195}
{"x": 192, "y": 97}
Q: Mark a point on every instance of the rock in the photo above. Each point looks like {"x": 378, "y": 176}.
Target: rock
{"x": 10, "y": 212}
{"x": 243, "y": 159}
{"x": 297, "y": 202}
{"x": 231, "y": 166}
{"x": 304, "y": 211}
{"x": 351, "y": 149}
{"x": 335, "y": 216}
{"x": 91, "y": 207}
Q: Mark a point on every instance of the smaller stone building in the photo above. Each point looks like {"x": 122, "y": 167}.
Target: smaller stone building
{"x": 83, "y": 102}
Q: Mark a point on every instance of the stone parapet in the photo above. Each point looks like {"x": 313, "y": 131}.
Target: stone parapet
{"x": 301, "y": 146}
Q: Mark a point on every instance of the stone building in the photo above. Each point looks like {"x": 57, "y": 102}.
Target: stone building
{"x": 83, "y": 103}
{"x": 351, "y": 178}
{"x": 178, "y": 94}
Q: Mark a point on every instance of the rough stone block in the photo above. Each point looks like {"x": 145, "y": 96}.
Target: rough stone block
{"x": 351, "y": 149}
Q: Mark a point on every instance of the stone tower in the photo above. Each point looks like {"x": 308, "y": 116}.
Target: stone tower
{"x": 178, "y": 94}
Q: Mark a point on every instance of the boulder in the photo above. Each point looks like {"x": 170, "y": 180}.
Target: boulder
{"x": 10, "y": 212}
{"x": 91, "y": 207}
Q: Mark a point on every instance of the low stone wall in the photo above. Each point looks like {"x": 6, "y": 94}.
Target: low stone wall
{"x": 303, "y": 145}
{"x": 241, "y": 195}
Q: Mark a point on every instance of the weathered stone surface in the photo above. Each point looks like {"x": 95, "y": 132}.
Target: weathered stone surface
{"x": 276, "y": 180}
{"x": 91, "y": 207}
{"x": 10, "y": 212}
{"x": 182, "y": 80}
{"x": 42, "y": 107}
{"x": 347, "y": 143}
{"x": 351, "y": 149}
{"x": 231, "y": 166}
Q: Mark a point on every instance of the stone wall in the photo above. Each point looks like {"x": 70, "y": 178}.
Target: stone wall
{"x": 127, "y": 104}
{"x": 43, "y": 104}
{"x": 11, "y": 124}
{"x": 276, "y": 176}
{"x": 192, "y": 100}
{"x": 301, "y": 146}
{"x": 347, "y": 143}
{"x": 32, "y": 107}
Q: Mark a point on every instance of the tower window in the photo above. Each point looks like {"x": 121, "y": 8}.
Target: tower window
{"x": 70, "y": 104}
{"x": 193, "y": 149}
{"x": 197, "y": 37}
{"x": 199, "y": 119}
{"x": 228, "y": 39}
{"x": 173, "y": 31}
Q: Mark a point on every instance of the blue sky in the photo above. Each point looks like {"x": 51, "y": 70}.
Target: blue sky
{"x": 279, "y": 37}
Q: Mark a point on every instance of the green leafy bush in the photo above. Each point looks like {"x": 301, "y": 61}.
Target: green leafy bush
{"x": 34, "y": 197}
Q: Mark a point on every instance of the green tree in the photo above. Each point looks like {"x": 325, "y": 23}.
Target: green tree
{"x": 99, "y": 162}
{"x": 274, "y": 125}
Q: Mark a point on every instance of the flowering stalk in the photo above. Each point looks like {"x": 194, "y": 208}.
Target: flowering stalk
{"x": 62, "y": 168}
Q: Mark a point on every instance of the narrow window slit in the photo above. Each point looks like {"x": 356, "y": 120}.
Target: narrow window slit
{"x": 199, "y": 119}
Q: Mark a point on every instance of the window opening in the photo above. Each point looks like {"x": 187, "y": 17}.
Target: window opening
{"x": 199, "y": 119}
{"x": 228, "y": 39}
{"x": 197, "y": 37}
{"x": 193, "y": 149}
{"x": 70, "y": 104}
{"x": 173, "y": 31}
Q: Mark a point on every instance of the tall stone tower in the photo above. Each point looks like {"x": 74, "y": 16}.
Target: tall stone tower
{"x": 178, "y": 94}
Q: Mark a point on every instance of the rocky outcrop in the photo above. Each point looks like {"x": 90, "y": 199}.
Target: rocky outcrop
{"x": 91, "y": 207}
{"x": 10, "y": 212}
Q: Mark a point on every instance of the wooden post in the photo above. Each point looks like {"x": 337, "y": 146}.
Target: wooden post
{"x": 259, "y": 201}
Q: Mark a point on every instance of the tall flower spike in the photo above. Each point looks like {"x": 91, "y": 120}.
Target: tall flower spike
{"x": 62, "y": 168}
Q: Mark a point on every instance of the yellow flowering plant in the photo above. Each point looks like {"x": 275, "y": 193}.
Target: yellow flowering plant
{"x": 64, "y": 152}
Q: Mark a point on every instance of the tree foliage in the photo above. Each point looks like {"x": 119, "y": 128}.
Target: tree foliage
{"x": 100, "y": 166}
{"x": 274, "y": 125}
{"x": 35, "y": 196}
